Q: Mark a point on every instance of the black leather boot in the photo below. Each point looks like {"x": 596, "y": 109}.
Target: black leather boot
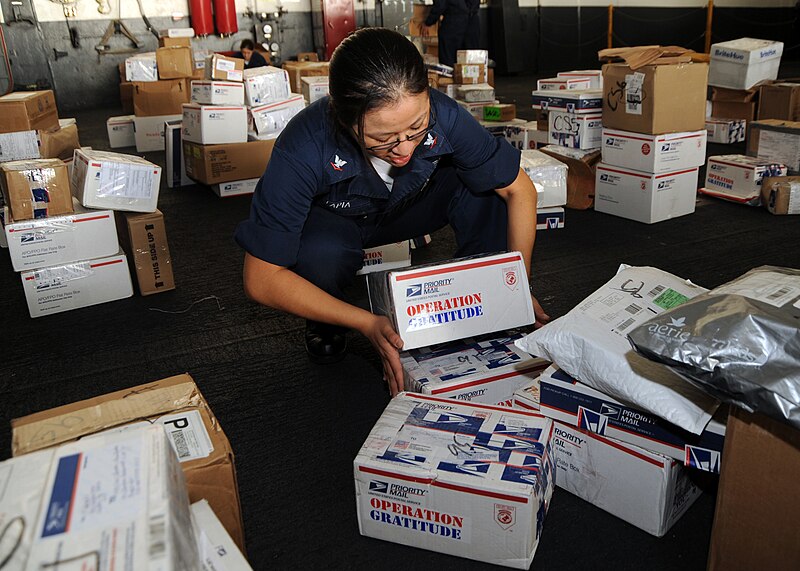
{"x": 325, "y": 343}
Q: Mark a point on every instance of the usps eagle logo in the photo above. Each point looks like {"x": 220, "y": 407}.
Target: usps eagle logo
{"x": 430, "y": 141}
{"x": 338, "y": 163}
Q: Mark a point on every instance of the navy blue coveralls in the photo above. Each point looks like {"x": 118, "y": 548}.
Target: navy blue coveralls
{"x": 320, "y": 202}
{"x": 460, "y": 29}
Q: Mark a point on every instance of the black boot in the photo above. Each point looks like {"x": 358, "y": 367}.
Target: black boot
{"x": 325, "y": 343}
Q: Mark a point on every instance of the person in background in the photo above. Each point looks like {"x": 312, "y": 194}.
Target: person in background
{"x": 383, "y": 159}
{"x": 460, "y": 28}
{"x": 250, "y": 56}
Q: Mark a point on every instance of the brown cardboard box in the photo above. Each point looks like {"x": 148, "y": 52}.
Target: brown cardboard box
{"x": 781, "y": 194}
{"x": 212, "y": 477}
{"x": 779, "y": 101}
{"x": 126, "y": 97}
{"x": 667, "y": 99}
{"x": 469, "y": 73}
{"x": 143, "y": 237}
{"x": 735, "y": 103}
{"x": 755, "y": 523}
{"x": 307, "y": 56}
{"x": 580, "y": 178}
{"x": 213, "y": 164}
{"x": 224, "y": 68}
{"x": 59, "y": 143}
{"x": 174, "y": 42}
{"x": 163, "y": 97}
{"x": 45, "y": 181}
{"x": 418, "y": 20}
{"x": 299, "y": 69}
{"x": 28, "y": 110}
{"x": 175, "y": 62}
{"x": 490, "y": 76}
{"x": 776, "y": 140}
{"x": 502, "y": 112}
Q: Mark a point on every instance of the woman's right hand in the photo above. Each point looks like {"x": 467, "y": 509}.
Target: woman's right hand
{"x": 387, "y": 343}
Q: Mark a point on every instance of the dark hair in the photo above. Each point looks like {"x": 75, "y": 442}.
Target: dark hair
{"x": 247, "y": 45}
{"x": 371, "y": 68}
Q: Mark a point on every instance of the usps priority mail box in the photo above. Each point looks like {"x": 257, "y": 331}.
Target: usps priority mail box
{"x": 643, "y": 488}
{"x": 235, "y": 188}
{"x": 216, "y": 549}
{"x": 387, "y": 257}
{"x": 566, "y": 400}
{"x": 726, "y": 131}
{"x": 575, "y": 130}
{"x": 527, "y": 397}
{"x": 738, "y": 177}
{"x": 550, "y": 218}
{"x": 455, "y": 299}
{"x": 654, "y": 153}
{"x": 459, "y": 478}
{"x": 486, "y": 369}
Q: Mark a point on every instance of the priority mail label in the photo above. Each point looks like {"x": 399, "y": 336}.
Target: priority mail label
{"x": 187, "y": 434}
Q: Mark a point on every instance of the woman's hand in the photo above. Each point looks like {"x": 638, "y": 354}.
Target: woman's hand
{"x": 387, "y": 342}
{"x": 541, "y": 317}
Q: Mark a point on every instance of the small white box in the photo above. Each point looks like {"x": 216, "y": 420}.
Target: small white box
{"x": 148, "y": 132}
{"x": 654, "y": 153}
{"x": 264, "y": 85}
{"x": 740, "y": 64}
{"x": 267, "y": 121}
{"x": 726, "y": 131}
{"x": 315, "y": 87}
{"x": 80, "y": 284}
{"x": 476, "y": 109}
{"x": 175, "y": 165}
{"x": 579, "y": 101}
{"x": 19, "y": 146}
{"x": 176, "y": 33}
{"x": 574, "y": 130}
{"x": 235, "y": 188}
{"x": 548, "y": 175}
{"x": 453, "y": 300}
{"x": 217, "y": 92}
{"x": 216, "y": 549}
{"x": 121, "y": 132}
{"x": 484, "y": 497}
{"x": 486, "y": 369}
{"x": 472, "y": 56}
{"x": 564, "y": 83}
{"x": 480, "y": 93}
{"x": 102, "y": 179}
{"x": 57, "y": 240}
{"x": 640, "y": 487}
{"x": 141, "y": 67}
{"x": 738, "y": 177}
{"x": 387, "y": 257}
{"x": 550, "y": 218}
{"x": 213, "y": 125}
{"x": 595, "y": 76}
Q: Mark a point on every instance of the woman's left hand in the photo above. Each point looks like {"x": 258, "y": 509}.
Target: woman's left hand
{"x": 541, "y": 317}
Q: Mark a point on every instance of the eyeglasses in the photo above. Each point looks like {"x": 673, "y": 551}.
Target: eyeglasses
{"x": 385, "y": 147}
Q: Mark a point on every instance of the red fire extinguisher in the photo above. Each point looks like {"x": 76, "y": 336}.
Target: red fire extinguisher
{"x": 225, "y": 17}
{"x": 202, "y": 21}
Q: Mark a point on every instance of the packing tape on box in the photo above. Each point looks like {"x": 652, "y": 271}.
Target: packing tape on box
{"x": 125, "y": 180}
{"x": 38, "y": 181}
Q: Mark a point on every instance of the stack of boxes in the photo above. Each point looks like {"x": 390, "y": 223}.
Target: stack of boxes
{"x": 471, "y": 82}
{"x": 306, "y": 66}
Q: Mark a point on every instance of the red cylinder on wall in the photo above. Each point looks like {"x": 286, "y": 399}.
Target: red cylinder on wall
{"x": 202, "y": 20}
{"x": 225, "y": 17}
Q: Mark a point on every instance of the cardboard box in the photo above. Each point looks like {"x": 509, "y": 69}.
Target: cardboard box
{"x": 267, "y": 121}
{"x": 548, "y": 175}
{"x": 417, "y": 22}
{"x": 215, "y": 547}
{"x": 476, "y": 109}
{"x": 166, "y": 42}
{"x": 144, "y": 239}
{"x": 224, "y": 68}
{"x": 551, "y": 218}
{"x": 473, "y": 56}
{"x": 235, "y": 188}
{"x": 574, "y": 130}
{"x": 581, "y": 165}
{"x": 488, "y": 507}
{"x": 654, "y": 153}
{"x": 300, "y": 69}
{"x": 566, "y": 400}
{"x": 595, "y": 76}
{"x": 59, "y": 143}
{"x": 213, "y": 125}
{"x": 519, "y": 133}
{"x": 114, "y": 498}
{"x": 486, "y": 369}
{"x": 120, "y": 131}
{"x": 779, "y": 101}
{"x": 726, "y": 131}
{"x": 102, "y": 179}
{"x": 174, "y": 62}
{"x": 740, "y": 64}
{"x": 19, "y": 146}
{"x": 264, "y": 85}
{"x": 148, "y": 132}
{"x": 452, "y": 300}
{"x": 640, "y": 487}
{"x": 65, "y": 287}
{"x": 126, "y": 97}
{"x": 141, "y": 67}
{"x": 656, "y": 99}
{"x": 195, "y": 434}
{"x": 58, "y": 240}
{"x": 175, "y": 163}
{"x": 776, "y": 140}
{"x": 28, "y": 110}
{"x": 735, "y": 103}
{"x": 158, "y": 98}
{"x": 36, "y": 188}
{"x": 738, "y": 178}
{"x": 757, "y": 530}
{"x": 216, "y": 164}
{"x": 315, "y": 88}
{"x": 502, "y": 112}
{"x": 643, "y": 196}
{"x": 307, "y": 56}
{"x": 469, "y": 73}
{"x": 218, "y": 92}
{"x": 564, "y": 83}
{"x": 781, "y": 194}
{"x": 481, "y": 93}
{"x": 386, "y": 257}
{"x": 586, "y": 101}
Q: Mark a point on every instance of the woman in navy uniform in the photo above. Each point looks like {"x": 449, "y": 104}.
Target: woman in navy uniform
{"x": 383, "y": 159}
